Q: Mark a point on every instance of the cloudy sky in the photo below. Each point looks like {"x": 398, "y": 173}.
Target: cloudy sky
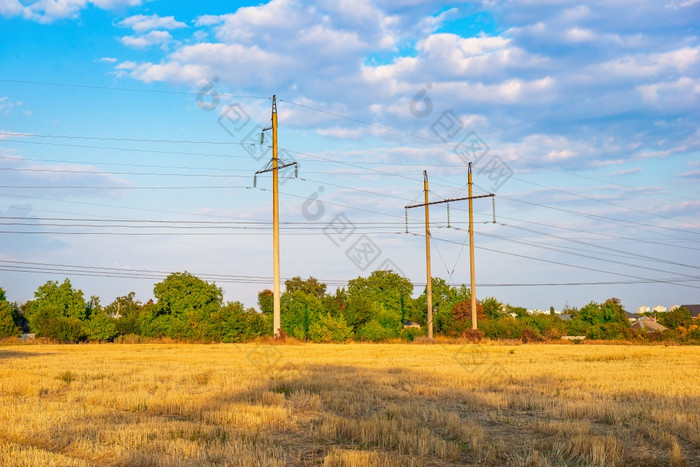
{"x": 130, "y": 135}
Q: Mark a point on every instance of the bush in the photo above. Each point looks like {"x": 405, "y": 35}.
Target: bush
{"x": 8, "y": 328}
{"x": 473, "y": 335}
{"x": 609, "y": 330}
{"x": 329, "y": 329}
{"x": 531, "y": 335}
{"x": 372, "y": 331}
{"x": 549, "y": 326}
{"x": 503, "y": 328}
{"x": 69, "y": 330}
{"x": 100, "y": 327}
{"x": 410, "y": 334}
{"x": 128, "y": 339}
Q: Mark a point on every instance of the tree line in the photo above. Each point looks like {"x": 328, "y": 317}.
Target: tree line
{"x": 379, "y": 307}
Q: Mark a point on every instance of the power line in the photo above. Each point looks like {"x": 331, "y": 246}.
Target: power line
{"x": 570, "y": 265}
{"x": 136, "y": 273}
{"x": 315, "y": 109}
{"x": 360, "y": 167}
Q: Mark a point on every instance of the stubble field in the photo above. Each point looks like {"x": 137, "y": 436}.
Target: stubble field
{"x": 351, "y": 404}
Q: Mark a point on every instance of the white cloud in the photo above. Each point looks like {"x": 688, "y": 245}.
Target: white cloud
{"x": 142, "y": 23}
{"x": 112, "y": 4}
{"x": 559, "y": 69}
{"x": 649, "y": 65}
{"x": 10, "y": 7}
{"x": 680, "y": 93}
{"x": 7, "y": 105}
{"x": 209, "y": 20}
{"x": 622, "y": 173}
{"x": 107, "y": 60}
{"x": 152, "y": 38}
{"x": 47, "y": 11}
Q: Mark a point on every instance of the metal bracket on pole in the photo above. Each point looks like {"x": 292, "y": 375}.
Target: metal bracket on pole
{"x": 471, "y": 230}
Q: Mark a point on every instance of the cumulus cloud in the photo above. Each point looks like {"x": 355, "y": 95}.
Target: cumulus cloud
{"x": 10, "y": 7}
{"x": 141, "y": 23}
{"x": 152, "y": 38}
{"x": 47, "y": 11}
{"x": 622, "y": 173}
{"x": 554, "y": 77}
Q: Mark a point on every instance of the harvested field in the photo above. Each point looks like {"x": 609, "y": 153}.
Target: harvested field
{"x": 350, "y": 404}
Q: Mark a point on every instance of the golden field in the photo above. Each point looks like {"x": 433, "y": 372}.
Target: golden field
{"x": 349, "y": 404}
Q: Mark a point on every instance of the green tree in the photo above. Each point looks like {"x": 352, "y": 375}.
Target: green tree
{"x": 228, "y": 323}
{"x": 676, "y": 318}
{"x": 188, "y": 302}
{"x": 63, "y": 298}
{"x": 445, "y": 297}
{"x": 492, "y": 307}
{"x": 359, "y": 310}
{"x": 182, "y": 291}
{"x": 8, "y": 326}
{"x": 126, "y": 310}
{"x": 371, "y": 331}
{"x": 298, "y": 311}
{"x": 384, "y": 288}
{"x": 266, "y": 302}
{"x": 310, "y": 286}
{"x": 100, "y": 327}
{"x": 328, "y": 328}
{"x": 336, "y": 304}
{"x": 58, "y": 311}
{"x": 383, "y": 291}
{"x": 520, "y": 312}
{"x": 600, "y": 321}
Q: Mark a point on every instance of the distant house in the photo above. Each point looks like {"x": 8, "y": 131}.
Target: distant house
{"x": 411, "y": 324}
{"x": 648, "y": 325}
{"x": 565, "y": 317}
{"x": 693, "y": 309}
{"x": 631, "y": 317}
{"x": 643, "y": 309}
{"x": 659, "y": 309}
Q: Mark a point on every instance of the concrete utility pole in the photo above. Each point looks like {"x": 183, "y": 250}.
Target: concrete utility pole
{"x": 277, "y": 314}
{"x": 274, "y": 167}
{"x": 471, "y": 247}
{"x": 429, "y": 285}
{"x": 471, "y": 244}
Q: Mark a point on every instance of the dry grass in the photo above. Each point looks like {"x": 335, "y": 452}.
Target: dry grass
{"x": 347, "y": 405}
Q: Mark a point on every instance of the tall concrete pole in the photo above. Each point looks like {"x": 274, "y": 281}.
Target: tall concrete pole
{"x": 429, "y": 286}
{"x": 277, "y": 321}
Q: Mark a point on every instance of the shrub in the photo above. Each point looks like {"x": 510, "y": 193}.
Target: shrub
{"x": 372, "y": 331}
{"x": 609, "y": 330}
{"x": 100, "y": 327}
{"x": 531, "y": 335}
{"x": 410, "y": 334}
{"x": 473, "y": 335}
{"x": 8, "y": 328}
{"x": 68, "y": 330}
{"x": 329, "y": 329}
{"x": 503, "y": 328}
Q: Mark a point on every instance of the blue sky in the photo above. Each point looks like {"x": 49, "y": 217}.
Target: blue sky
{"x": 116, "y": 165}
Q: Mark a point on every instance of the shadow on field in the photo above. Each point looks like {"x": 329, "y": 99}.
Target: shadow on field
{"x": 5, "y": 354}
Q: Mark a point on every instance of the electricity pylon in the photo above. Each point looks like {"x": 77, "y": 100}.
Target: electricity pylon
{"x": 472, "y": 268}
{"x": 274, "y": 167}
